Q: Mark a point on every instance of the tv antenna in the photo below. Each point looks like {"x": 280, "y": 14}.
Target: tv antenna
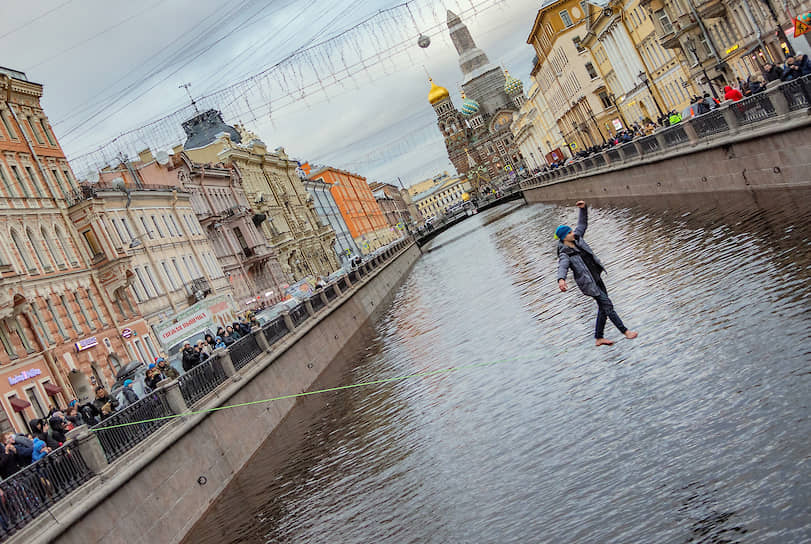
{"x": 193, "y": 103}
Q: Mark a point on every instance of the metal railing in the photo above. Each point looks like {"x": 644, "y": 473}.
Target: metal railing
{"x": 797, "y": 93}
{"x": 344, "y": 283}
{"x": 31, "y": 491}
{"x": 712, "y": 122}
{"x": 275, "y": 330}
{"x": 316, "y": 302}
{"x": 201, "y": 380}
{"x": 150, "y": 412}
{"x": 244, "y": 350}
{"x": 756, "y": 108}
{"x": 759, "y": 108}
{"x": 330, "y": 292}
{"x": 298, "y": 315}
{"x": 34, "y": 489}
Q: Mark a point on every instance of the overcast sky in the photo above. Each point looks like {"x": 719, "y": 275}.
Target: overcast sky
{"x": 109, "y": 66}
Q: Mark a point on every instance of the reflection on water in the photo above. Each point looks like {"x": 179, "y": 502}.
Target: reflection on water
{"x": 698, "y": 431}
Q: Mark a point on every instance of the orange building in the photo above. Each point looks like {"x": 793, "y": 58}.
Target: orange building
{"x": 359, "y": 208}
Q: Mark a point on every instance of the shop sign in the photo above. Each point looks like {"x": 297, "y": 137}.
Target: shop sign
{"x": 733, "y": 48}
{"x": 24, "y": 375}
{"x": 127, "y": 332}
{"x": 188, "y": 323}
{"x": 617, "y": 124}
{"x": 87, "y": 343}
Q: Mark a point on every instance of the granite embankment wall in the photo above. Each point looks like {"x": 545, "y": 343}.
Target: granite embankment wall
{"x": 711, "y": 156}
{"x": 159, "y": 489}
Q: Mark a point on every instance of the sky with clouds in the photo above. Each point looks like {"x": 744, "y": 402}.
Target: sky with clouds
{"x": 109, "y": 66}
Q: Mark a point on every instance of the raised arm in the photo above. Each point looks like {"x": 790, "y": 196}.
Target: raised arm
{"x": 582, "y": 220}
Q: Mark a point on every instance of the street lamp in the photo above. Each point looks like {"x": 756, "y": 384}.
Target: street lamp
{"x": 643, "y": 76}
{"x": 691, "y": 46}
{"x": 613, "y": 98}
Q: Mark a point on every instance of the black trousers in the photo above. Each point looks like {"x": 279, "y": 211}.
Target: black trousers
{"x": 605, "y": 310}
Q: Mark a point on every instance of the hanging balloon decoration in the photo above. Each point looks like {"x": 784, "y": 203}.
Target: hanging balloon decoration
{"x": 423, "y": 41}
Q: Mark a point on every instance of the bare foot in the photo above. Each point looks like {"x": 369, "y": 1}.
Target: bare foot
{"x": 603, "y": 342}
{"x": 630, "y": 335}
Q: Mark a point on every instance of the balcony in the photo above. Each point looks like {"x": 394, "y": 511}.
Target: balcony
{"x": 671, "y": 39}
{"x": 710, "y": 9}
{"x": 198, "y": 288}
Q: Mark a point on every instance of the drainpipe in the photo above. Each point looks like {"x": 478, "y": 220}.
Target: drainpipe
{"x": 707, "y": 37}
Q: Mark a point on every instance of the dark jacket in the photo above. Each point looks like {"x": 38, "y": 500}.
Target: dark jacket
{"x": 130, "y": 396}
{"x": 36, "y": 426}
{"x": 804, "y": 64}
{"x": 169, "y": 371}
{"x": 99, "y": 405}
{"x": 772, "y": 73}
{"x": 58, "y": 431}
{"x": 228, "y": 339}
{"x": 190, "y": 359}
{"x": 571, "y": 258}
{"x": 10, "y": 462}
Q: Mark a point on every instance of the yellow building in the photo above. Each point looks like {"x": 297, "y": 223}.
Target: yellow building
{"x": 281, "y": 205}
{"x": 536, "y": 134}
{"x": 643, "y": 79}
{"x": 434, "y": 201}
{"x": 571, "y": 85}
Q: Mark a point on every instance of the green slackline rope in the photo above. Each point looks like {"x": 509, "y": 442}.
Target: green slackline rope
{"x": 327, "y": 390}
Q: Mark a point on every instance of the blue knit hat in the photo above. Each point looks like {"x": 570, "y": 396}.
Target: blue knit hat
{"x": 127, "y": 383}
{"x": 562, "y": 231}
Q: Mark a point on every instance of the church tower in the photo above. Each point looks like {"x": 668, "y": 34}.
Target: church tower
{"x": 452, "y": 125}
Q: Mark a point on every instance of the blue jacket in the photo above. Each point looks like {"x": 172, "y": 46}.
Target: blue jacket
{"x": 571, "y": 258}
{"x": 38, "y": 453}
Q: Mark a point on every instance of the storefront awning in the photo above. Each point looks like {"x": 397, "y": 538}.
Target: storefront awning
{"x": 52, "y": 389}
{"x": 19, "y": 404}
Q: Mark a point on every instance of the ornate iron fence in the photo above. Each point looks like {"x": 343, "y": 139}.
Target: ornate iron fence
{"x": 201, "y": 380}
{"x": 629, "y": 150}
{"x": 31, "y": 491}
{"x": 649, "y": 144}
{"x": 798, "y": 93}
{"x": 756, "y": 108}
{"x": 150, "y": 414}
{"x": 316, "y": 302}
{"x": 275, "y": 330}
{"x": 298, "y": 314}
{"x": 712, "y": 122}
{"x": 675, "y": 135}
{"x": 244, "y": 350}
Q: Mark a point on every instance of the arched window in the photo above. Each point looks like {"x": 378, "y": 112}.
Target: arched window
{"x": 65, "y": 245}
{"x": 22, "y": 250}
{"x": 43, "y": 262}
{"x": 56, "y": 255}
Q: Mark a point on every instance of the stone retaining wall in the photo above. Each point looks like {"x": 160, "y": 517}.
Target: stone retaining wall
{"x": 158, "y": 490}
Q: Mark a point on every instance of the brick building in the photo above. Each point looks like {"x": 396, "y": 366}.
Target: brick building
{"x": 67, "y": 321}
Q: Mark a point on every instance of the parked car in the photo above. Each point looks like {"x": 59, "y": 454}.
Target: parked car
{"x": 269, "y": 314}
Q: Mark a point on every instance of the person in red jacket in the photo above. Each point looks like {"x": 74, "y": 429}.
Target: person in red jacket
{"x": 731, "y": 93}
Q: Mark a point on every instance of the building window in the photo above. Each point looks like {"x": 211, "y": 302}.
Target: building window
{"x": 169, "y": 275}
{"x": 34, "y": 130}
{"x": 55, "y": 317}
{"x": 118, "y": 231}
{"x": 90, "y": 325}
{"x": 665, "y": 21}
{"x": 584, "y": 7}
{"x": 578, "y": 45}
{"x": 141, "y": 351}
{"x": 99, "y": 313}
{"x": 22, "y": 250}
{"x": 35, "y": 181}
{"x": 90, "y": 237}
{"x": 33, "y": 398}
{"x": 7, "y": 343}
{"x": 4, "y": 117}
{"x": 69, "y": 178}
{"x": 177, "y": 227}
{"x": 73, "y": 322}
{"x": 46, "y": 132}
{"x": 21, "y": 335}
{"x": 604, "y": 99}
{"x": 142, "y": 282}
{"x": 6, "y": 183}
{"x": 19, "y": 179}
{"x": 46, "y": 332}
{"x": 151, "y": 347}
{"x": 168, "y": 226}
{"x": 52, "y": 249}
{"x": 147, "y": 230}
{"x": 151, "y": 277}
{"x": 177, "y": 269}
{"x": 564, "y": 16}
{"x": 127, "y": 228}
{"x": 591, "y": 71}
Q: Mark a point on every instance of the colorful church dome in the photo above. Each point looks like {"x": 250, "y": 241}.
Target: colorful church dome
{"x": 469, "y": 106}
{"x": 437, "y": 93}
{"x": 512, "y": 85}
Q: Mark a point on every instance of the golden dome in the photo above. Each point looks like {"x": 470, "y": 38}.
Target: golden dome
{"x": 437, "y": 93}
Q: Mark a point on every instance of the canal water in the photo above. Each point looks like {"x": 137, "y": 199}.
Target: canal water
{"x": 698, "y": 431}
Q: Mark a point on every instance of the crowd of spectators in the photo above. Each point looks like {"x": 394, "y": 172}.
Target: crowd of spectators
{"x": 793, "y": 68}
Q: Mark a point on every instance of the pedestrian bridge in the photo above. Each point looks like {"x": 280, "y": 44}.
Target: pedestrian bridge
{"x": 513, "y": 193}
